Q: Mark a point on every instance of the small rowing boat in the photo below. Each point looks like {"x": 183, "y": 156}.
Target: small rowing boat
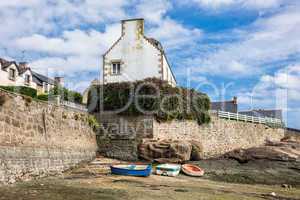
{"x": 168, "y": 169}
{"x": 192, "y": 170}
{"x": 131, "y": 170}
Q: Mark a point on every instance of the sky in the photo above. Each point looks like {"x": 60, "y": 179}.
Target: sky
{"x": 244, "y": 48}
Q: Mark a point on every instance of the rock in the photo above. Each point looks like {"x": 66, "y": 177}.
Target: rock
{"x": 151, "y": 150}
{"x": 197, "y": 151}
{"x": 168, "y": 160}
{"x": 279, "y": 151}
{"x": 273, "y": 194}
{"x": 286, "y": 186}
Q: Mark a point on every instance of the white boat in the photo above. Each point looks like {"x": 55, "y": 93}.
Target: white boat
{"x": 168, "y": 169}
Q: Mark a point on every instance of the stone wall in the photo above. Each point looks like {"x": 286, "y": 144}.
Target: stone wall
{"x": 218, "y": 137}
{"x": 120, "y": 136}
{"x": 292, "y": 134}
{"x": 38, "y": 139}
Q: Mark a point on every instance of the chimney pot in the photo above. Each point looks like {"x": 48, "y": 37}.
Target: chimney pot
{"x": 235, "y": 100}
{"x": 59, "y": 80}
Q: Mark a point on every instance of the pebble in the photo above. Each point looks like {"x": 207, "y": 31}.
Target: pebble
{"x": 273, "y": 194}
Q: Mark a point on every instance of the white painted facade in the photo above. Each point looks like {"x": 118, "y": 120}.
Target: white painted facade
{"x": 18, "y": 80}
{"x": 138, "y": 57}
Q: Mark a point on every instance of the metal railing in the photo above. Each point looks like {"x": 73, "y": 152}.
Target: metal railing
{"x": 252, "y": 119}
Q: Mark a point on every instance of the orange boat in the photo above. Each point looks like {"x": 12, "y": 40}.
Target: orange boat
{"x": 192, "y": 170}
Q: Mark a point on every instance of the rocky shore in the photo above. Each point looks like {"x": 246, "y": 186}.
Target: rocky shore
{"x": 270, "y": 172}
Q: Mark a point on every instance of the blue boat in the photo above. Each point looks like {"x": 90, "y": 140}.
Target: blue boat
{"x": 131, "y": 170}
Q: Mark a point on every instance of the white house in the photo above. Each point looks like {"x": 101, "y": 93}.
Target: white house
{"x": 135, "y": 57}
{"x": 13, "y": 74}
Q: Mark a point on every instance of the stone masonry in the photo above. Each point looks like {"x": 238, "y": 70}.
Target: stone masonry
{"x": 39, "y": 139}
{"x": 123, "y": 134}
{"x": 219, "y": 136}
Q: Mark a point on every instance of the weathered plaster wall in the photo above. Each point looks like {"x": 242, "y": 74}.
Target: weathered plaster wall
{"x": 38, "y": 139}
{"x": 139, "y": 57}
{"x": 218, "y": 137}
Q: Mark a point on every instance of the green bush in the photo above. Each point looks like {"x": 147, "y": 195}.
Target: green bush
{"x": 66, "y": 94}
{"x": 93, "y": 123}
{"x": 165, "y": 103}
{"x": 43, "y": 97}
{"x": 21, "y": 90}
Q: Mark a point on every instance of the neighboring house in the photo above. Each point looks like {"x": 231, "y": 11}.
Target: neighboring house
{"x": 263, "y": 113}
{"x": 44, "y": 84}
{"x": 226, "y": 106}
{"x": 13, "y": 74}
{"x": 136, "y": 57}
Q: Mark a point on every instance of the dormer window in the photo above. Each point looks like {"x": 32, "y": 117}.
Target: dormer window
{"x": 27, "y": 79}
{"x": 12, "y": 74}
{"x": 116, "y": 68}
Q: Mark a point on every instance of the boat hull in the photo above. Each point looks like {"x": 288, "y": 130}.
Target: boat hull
{"x": 192, "y": 170}
{"x": 168, "y": 170}
{"x": 132, "y": 170}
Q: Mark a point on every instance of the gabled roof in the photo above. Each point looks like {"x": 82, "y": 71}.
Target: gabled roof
{"x": 159, "y": 46}
{"x": 39, "y": 79}
{"x": 5, "y": 63}
{"x": 156, "y": 43}
{"x": 21, "y": 67}
{"x": 152, "y": 41}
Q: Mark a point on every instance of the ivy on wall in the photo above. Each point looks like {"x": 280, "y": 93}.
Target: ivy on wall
{"x": 27, "y": 91}
{"x": 150, "y": 97}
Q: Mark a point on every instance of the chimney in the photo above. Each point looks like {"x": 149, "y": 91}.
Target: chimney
{"x": 59, "y": 81}
{"x": 133, "y": 28}
{"x": 23, "y": 65}
{"x": 235, "y": 100}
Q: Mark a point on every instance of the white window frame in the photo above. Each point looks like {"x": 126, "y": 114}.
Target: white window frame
{"x": 116, "y": 67}
{"x": 45, "y": 87}
{"x": 12, "y": 74}
{"x": 27, "y": 81}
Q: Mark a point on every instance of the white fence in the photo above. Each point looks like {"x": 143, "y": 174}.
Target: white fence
{"x": 67, "y": 104}
{"x": 252, "y": 119}
{"x": 75, "y": 106}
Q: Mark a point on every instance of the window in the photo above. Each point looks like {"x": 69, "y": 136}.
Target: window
{"x": 116, "y": 68}
{"x": 27, "y": 79}
{"x": 45, "y": 87}
{"x": 12, "y": 74}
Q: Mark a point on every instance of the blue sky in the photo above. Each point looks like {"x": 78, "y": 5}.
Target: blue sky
{"x": 244, "y": 48}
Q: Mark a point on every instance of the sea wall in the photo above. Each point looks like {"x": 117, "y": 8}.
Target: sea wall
{"x": 219, "y": 136}
{"x": 39, "y": 139}
{"x": 122, "y": 135}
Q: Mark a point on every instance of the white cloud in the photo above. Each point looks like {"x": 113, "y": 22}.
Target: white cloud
{"x": 261, "y": 4}
{"x": 23, "y": 18}
{"x": 76, "y": 42}
{"x": 214, "y": 3}
{"x": 268, "y": 40}
{"x": 74, "y": 51}
{"x": 278, "y": 90}
{"x": 18, "y": 3}
{"x": 240, "y": 4}
{"x": 174, "y": 35}
{"x": 153, "y": 11}
{"x": 171, "y": 33}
